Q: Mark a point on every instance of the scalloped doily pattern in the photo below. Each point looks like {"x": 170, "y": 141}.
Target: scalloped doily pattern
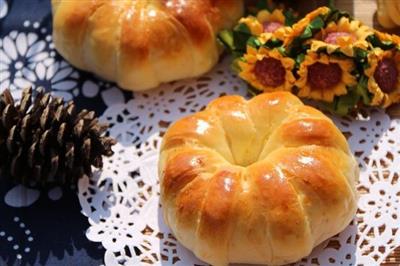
{"x": 122, "y": 201}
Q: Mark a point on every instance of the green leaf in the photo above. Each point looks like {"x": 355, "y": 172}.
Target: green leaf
{"x": 297, "y": 44}
{"x": 235, "y": 65}
{"x": 299, "y": 59}
{"x": 376, "y": 42}
{"x": 307, "y": 33}
{"x": 361, "y": 55}
{"x": 362, "y": 90}
{"x": 282, "y": 51}
{"x": 272, "y": 43}
{"x": 241, "y": 33}
{"x": 339, "y": 54}
{"x": 343, "y": 104}
{"x": 226, "y": 37}
{"x": 254, "y": 42}
{"x": 252, "y": 91}
{"x": 290, "y": 18}
{"x": 331, "y": 107}
{"x": 347, "y": 102}
{"x": 361, "y": 58}
{"x": 335, "y": 14}
{"x": 296, "y": 48}
{"x": 243, "y": 28}
{"x": 316, "y": 24}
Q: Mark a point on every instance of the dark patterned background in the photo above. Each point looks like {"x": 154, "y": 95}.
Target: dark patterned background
{"x": 50, "y": 232}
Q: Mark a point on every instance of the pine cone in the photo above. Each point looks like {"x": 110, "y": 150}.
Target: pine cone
{"x": 45, "y": 141}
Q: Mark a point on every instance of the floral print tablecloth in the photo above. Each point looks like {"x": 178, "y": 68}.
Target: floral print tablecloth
{"x": 115, "y": 216}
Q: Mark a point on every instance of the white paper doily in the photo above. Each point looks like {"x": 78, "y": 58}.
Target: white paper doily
{"x": 122, "y": 201}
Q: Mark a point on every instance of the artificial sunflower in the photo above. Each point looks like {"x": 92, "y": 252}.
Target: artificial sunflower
{"x": 384, "y": 41}
{"x": 267, "y": 25}
{"x": 385, "y": 37}
{"x": 264, "y": 21}
{"x": 396, "y": 40}
{"x": 267, "y": 69}
{"x": 343, "y": 35}
{"x": 280, "y": 34}
{"x": 271, "y": 21}
{"x": 298, "y": 28}
{"x": 253, "y": 24}
{"x": 384, "y": 76}
{"x": 322, "y": 77}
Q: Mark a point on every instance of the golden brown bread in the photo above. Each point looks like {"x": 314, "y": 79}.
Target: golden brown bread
{"x": 142, "y": 43}
{"x": 261, "y": 181}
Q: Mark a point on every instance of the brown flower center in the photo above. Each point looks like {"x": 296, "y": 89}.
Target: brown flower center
{"x": 386, "y": 75}
{"x": 272, "y": 26}
{"x": 324, "y": 76}
{"x": 270, "y": 72}
{"x": 332, "y": 37}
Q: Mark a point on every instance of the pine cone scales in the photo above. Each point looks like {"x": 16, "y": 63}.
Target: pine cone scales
{"x": 46, "y": 141}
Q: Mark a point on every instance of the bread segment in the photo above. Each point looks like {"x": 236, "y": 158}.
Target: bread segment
{"x": 218, "y": 216}
{"x": 304, "y": 132}
{"x": 198, "y": 130}
{"x": 70, "y": 21}
{"x": 140, "y": 44}
{"x": 102, "y": 35}
{"x": 327, "y": 197}
{"x": 279, "y": 205}
{"x": 239, "y": 128}
{"x": 261, "y": 181}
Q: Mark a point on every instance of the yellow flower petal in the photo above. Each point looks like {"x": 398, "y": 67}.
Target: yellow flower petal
{"x": 356, "y": 36}
{"x": 379, "y": 96}
{"x": 308, "y": 91}
{"x": 275, "y": 16}
{"x": 299, "y": 27}
{"x": 256, "y": 28}
{"x": 247, "y": 69}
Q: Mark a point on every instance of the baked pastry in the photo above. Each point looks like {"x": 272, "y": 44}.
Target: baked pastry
{"x": 140, "y": 43}
{"x": 388, "y": 13}
{"x": 260, "y": 181}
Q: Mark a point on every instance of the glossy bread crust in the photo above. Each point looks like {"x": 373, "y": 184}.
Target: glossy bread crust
{"x": 142, "y": 43}
{"x": 261, "y": 181}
